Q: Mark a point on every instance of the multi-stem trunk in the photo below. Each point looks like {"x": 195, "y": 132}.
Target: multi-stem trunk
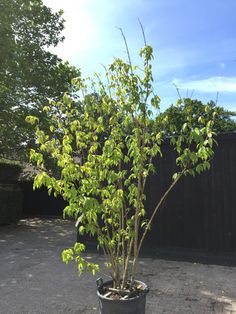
{"x": 136, "y": 227}
{"x": 127, "y": 259}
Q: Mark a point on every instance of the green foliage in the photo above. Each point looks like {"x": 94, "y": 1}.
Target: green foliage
{"x": 74, "y": 254}
{"x": 103, "y": 146}
{"x": 174, "y": 117}
{"x": 10, "y": 162}
{"x": 29, "y": 73}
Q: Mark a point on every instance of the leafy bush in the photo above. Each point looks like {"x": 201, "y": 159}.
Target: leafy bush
{"x": 104, "y": 147}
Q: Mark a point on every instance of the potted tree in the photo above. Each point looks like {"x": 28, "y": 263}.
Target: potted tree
{"x": 103, "y": 139}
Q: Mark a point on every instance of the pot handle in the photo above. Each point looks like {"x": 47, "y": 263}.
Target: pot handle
{"x": 99, "y": 282}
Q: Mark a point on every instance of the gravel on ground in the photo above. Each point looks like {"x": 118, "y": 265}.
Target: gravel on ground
{"x": 33, "y": 279}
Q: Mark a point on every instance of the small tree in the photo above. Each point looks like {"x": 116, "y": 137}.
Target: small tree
{"x": 104, "y": 148}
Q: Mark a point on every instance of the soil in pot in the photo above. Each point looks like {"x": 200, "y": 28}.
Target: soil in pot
{"x": 113, "y": 301}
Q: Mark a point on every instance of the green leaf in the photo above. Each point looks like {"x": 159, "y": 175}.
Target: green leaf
{"x": 32, "y": 120}
{"x": 175, "y": 176}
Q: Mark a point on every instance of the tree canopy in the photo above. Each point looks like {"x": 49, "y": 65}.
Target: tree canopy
{"x": 174, "y": 117}
{"x": 29, "y": 73}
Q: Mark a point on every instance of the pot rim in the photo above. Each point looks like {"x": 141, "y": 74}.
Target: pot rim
{"x": 142, "y": 295}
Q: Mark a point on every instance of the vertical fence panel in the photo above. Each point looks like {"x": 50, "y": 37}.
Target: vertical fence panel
{"x": 200, "y": 212}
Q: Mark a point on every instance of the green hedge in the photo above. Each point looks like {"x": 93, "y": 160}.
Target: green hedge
{"x": 9, "y": 171}
{"x": 11, "y": 199}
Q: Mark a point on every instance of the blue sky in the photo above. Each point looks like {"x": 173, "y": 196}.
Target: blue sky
{"x": 194, "y": 42}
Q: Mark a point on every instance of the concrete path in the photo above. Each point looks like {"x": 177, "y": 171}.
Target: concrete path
{"x": 33, "y": 278}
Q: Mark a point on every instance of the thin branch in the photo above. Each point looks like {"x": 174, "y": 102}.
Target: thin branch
{"x": 192, "y": 94}
{"x": 100, "y": 81}
{"x": 125, "y": 273}
{"x": 144, "y": 37}
{"x": 217, "y": 96}
{"x": 177, "y": 89}
{"x": 108, "y": 80}
{"x": 157, "y": 207}
{"x": 127, "y": 48}
{"x": 187, "y": 93}
{"x": 104, "y": 274}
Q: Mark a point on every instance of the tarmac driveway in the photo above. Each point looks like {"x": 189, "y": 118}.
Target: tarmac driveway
{"x": 33, "y": 278}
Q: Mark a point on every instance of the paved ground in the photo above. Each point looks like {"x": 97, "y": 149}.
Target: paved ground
{"x": 34, "y": 280}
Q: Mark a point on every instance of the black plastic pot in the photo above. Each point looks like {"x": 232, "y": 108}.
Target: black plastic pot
{"x": 134, "y": 305}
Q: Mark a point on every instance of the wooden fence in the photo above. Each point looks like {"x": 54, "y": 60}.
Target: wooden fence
{"x": 200, "y": 212}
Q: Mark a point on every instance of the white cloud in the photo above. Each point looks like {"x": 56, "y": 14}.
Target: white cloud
{"x": 222, "y": 65}
{"x": 209, "y": 85}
